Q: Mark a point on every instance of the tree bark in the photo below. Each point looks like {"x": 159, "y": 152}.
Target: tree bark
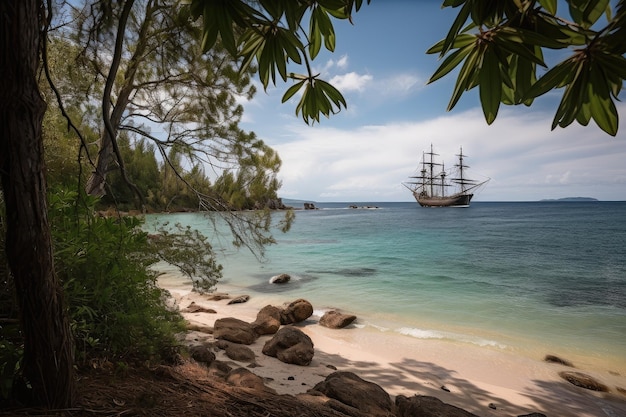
{"x": 48, "y": 349}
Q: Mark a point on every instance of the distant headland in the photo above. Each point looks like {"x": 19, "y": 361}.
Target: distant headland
{"x": 571, "y": 199}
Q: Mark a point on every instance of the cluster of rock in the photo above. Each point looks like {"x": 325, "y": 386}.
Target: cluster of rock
{"x": 343, "y": 392}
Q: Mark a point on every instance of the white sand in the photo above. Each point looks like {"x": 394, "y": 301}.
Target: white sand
{"x": 474, "y": 377}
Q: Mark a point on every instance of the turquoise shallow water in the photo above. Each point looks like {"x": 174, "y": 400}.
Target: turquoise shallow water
{"x": 528, "y": 277}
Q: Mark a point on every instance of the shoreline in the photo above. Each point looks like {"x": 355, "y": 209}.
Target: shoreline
{"x": 467, "y": 376}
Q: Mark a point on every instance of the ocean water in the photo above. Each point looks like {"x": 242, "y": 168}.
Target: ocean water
{"x": 532, "y": 278}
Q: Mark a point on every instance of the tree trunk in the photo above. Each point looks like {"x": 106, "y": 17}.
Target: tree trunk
{"x": 48, "y": 350}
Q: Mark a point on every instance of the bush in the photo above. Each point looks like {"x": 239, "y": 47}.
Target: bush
{"x": 117, "y": 310}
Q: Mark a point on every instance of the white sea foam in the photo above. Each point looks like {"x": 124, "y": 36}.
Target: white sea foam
{"x": 420, "y": 333}
{"x": 433, "y": 334}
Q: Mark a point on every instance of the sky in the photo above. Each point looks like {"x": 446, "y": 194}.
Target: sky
{"x": 364, "y": 153}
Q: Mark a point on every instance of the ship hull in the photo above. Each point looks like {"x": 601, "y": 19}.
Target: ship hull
{"x": 458, "y": 200}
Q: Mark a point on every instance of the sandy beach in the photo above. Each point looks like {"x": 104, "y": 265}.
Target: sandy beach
{"x": 484, "y": 381}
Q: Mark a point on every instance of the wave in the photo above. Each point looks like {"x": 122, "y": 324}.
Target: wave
{"x": 434, "y": 334}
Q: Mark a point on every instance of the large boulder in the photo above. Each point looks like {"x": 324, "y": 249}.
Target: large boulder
{"x": 290, "y": 345}
{"x": 234, "y": 330}
{"x": 349, "y": 389}
{"x": 336, "y": 320}
{"x": 267, "y": 320}
{"x": 422, "y": 405}
{"x": 296, "y": 311}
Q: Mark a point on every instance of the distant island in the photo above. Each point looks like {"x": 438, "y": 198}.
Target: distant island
{"x": 570, "y": 199}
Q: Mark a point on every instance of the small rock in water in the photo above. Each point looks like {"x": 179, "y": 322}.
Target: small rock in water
{"x": 280, "y": 279}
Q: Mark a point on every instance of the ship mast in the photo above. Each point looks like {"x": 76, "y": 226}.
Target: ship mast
{"x": 431, "y": 165}
{"x": 462, "y": 181}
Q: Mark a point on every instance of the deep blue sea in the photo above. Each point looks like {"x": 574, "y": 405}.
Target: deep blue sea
{"x": 534, "y": 278}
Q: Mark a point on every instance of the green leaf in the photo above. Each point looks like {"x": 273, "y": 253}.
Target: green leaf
{"x": 451, "y": 62}
{"x": 465, "y": 78}
{"x": 461, "y": 40}
{"x": 549, "y": 5}
{"x": 490, "y": 85}
{"x": 551, "y": 79}
{"x": 292, "y": 90}
{"x": 333, "y": 94}
{"x": 520, "y": 50}
{"x": 612, "y": 63}
{"x": 602, "y": 108}
{"x": 594, "y": 10}
{"x": 460, "y": 20}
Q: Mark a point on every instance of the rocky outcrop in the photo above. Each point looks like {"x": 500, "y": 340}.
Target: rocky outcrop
{"x": 309, "y": 206}
{"x": 584, "y": 381}
{"x": 336, "y": 320}
{"x": 356, "y": 393}
{"x": 421, "y": 405}
{"x": 280, "y": 279}
{"x": 267, "y": 320}
{"x": 296, "y": 312}
{"x": 290, "y": 345}
{"x": 234, "y": 330}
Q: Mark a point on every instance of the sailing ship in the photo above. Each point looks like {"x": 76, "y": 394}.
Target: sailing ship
{"x": 436, "y": 187}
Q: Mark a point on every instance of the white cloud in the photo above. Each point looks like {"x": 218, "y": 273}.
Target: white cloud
{"x": 351, "y": 81}
{"x": 399, "y": 84}
{"x": 525, "y": 160}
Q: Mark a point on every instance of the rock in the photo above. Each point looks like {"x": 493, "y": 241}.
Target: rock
{"x": 267, "y": 320}
{"x": 556, "y": 359}
{"x": 296, "y": 312}
{"x": 280, "y": 279}
{"x": 422, "y": 405}
{"x": 239, "y": 353}
{"x": 242, "y": 377}
{"x": 239, "y": 300}
{"x": 199, "y": 328}
{"x": 290, "y": 345}
{"x": 584, "y": 381}
{"x": 202, "y": 354}
{"x": 336, "y": 320}
{"x": 195, "y": 308}
{"x": 219, "y": 370}
{"x": 349, "y": 389}
{"x": 533, "y": 415}
{"x": 234, "y": 330}
{"x": 217, "y": 296}
{"x": 309, "y": 206}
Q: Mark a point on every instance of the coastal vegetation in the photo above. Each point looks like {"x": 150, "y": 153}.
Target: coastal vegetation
{"x": 150, "y": 111}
